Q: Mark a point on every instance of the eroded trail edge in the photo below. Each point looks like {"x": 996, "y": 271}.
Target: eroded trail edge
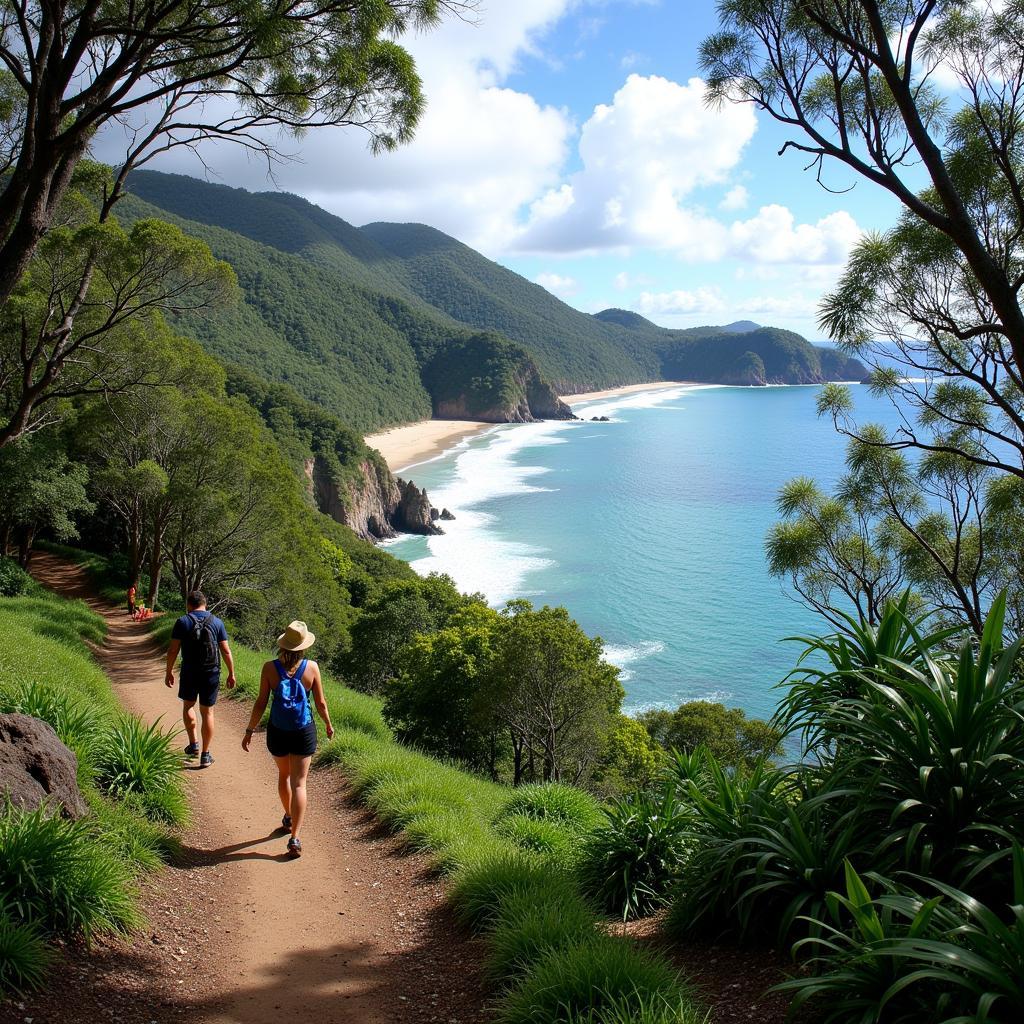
{"x": 354, "y": 931}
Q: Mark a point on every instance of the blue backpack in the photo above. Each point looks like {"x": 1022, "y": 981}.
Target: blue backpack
{"x": 290, "y": 709}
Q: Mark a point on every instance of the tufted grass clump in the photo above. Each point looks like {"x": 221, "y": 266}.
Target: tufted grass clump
{"x": 596, "y": 979}
{"x": 58, "y": 875}
{"x": 24, "y": 955}
{"x": 139, "y": 759}
{"x": 553, "y": 801}
{"x": 527, "y": 931}
{"x": 481, "y": 889}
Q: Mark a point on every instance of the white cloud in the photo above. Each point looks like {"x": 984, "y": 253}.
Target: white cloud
{"x": 773, "y": 236}
{"x": 482, "y": 152}
{"x": 735, "y": 199}
{"x": 643, "y": 154}
{"x": 701, "y": 301}
{"x": 690, "y": 305}
{"x": 563, "y": 287}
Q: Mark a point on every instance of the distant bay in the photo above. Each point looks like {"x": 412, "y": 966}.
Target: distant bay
{"x": 649, "y": 528}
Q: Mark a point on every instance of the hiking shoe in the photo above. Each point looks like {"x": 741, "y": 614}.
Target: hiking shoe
{"x": 192, "y": 750}
{"x": 206, "y": 760}
{"x": 286, "y": 823}
{"x": 294, "y": 848}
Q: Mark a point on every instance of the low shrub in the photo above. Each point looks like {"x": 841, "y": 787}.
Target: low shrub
{"x": 14, "y": 581}
{"x": 57, "y": 874}
{"x": 141, "y": 759}
{"x": 526, "y": 932}
{"x": 24, "y": 956}
{"x": 630, "y": 865}
{"x": 554, "y": 801}
{"x": 947, "y": 958}
{"x": 588, "y": 978}
{"x": 480, "y": 890}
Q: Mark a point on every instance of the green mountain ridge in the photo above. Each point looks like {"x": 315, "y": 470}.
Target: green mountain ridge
{"x": 391, "y": 323}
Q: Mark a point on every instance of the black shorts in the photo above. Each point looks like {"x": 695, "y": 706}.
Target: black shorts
{"x": 300, "y": 742}
{"x": 205, "y": 690}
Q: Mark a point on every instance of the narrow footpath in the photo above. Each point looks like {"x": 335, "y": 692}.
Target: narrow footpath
{"x": 354, "y": 931}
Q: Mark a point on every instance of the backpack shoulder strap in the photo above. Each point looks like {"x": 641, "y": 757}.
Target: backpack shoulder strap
{"x": 301, "y": 670}
{"x": 282, "y": 675}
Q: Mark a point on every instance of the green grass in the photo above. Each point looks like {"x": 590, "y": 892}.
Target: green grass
{"x": 59, "y": 875}
{"x": 593, "y": 979}
{"x": 575, "y": 810}
{"x": 24, "y": 956}
{"x": 64, "y": 878}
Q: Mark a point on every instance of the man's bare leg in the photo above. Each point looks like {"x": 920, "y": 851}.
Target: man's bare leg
{"x": 188, "y": 716}
{"x": 207, "y": 716}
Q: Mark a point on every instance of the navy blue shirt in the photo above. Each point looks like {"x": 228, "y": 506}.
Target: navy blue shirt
{"x": 183, "y": 627}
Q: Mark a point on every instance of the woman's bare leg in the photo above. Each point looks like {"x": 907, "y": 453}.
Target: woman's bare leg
{"x": 297, "y": 780}
{"x": 284, "y": 785}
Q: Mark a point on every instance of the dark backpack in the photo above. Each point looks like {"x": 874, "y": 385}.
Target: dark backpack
{"x": 202, "y": 646}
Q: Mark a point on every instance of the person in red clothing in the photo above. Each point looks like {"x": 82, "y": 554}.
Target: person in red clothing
{"x": 131, "y": 600}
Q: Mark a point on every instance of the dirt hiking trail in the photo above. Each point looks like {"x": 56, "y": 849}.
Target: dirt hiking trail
{"x": 354, "y": 931}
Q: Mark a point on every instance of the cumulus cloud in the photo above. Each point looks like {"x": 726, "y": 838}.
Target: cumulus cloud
{"x": 773, "y": 236}
{"x": 642, "y": 155}
{"x": 563, "y": 287}
{"x": 735, "y": 199}
{"x": 482, "y": 153}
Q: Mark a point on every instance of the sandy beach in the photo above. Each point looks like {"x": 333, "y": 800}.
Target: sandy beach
{"x": 628, "y": 389}
{"x": 404, "y": 446}
{"x": 416, "y": 442}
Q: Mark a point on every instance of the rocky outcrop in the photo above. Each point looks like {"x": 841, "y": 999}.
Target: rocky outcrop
{"x": 371, "y": 502}
{"x": 414, "y": 513}
{"x": 446, "y": 515}
{"x": 535, "y": 399}
{"x": 36, "y": 768}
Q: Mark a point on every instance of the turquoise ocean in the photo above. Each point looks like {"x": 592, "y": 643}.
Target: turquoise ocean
{"x": 650, "y": 529}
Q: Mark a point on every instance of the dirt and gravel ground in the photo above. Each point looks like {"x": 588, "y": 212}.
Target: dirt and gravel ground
{"x": 355, "y": 932}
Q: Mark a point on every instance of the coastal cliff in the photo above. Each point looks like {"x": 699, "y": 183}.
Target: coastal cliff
{"x": 370, "y": 501}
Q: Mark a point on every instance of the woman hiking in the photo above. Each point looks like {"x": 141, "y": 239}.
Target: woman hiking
{"x": 291, "y": 735}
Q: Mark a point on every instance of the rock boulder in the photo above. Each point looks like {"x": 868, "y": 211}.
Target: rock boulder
{"x": 35, "y": 767}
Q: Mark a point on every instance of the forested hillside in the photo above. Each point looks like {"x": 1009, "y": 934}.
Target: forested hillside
{"x": 393, "y": 322}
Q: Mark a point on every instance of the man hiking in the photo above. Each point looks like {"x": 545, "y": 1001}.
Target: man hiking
{"x": 202, "y": 639}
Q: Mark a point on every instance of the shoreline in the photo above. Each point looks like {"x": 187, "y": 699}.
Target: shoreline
{"x": 626, "y": 389}
{"x": 413, "y": 443}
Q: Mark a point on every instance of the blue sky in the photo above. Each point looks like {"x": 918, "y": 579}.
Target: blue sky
{"x": 569, "y": 140}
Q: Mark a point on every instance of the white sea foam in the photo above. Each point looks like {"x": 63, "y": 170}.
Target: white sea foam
{"x": 622, "y": 656}
{"x": 637, "y": 400}
{"x": 472, "y": 551}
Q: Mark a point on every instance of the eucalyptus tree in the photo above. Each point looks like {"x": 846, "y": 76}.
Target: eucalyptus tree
{"x": 168, "y": 74}
{"x": 85, "y": 317}
{"x": 854, "y": 82}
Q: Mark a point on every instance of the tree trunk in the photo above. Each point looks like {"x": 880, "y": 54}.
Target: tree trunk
{"x": 25, "y": 548}
{"x": 5, "y": 539}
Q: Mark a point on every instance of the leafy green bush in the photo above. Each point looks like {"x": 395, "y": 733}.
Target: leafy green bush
{"x": 588, "y": 977}
{"x": 948, "y": 958}
{"x": 57, "y": 874}
{"x": 527, "y": 931}
{"x": 554, "y": 801}
{"x": 14, "y": 581}
{"x": 24, "y": 956}
{"x": 141, "y": 759}
{"x": 631, "y": 863}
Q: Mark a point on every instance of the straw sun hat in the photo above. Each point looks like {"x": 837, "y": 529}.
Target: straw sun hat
{"x": 296, "y": 637}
